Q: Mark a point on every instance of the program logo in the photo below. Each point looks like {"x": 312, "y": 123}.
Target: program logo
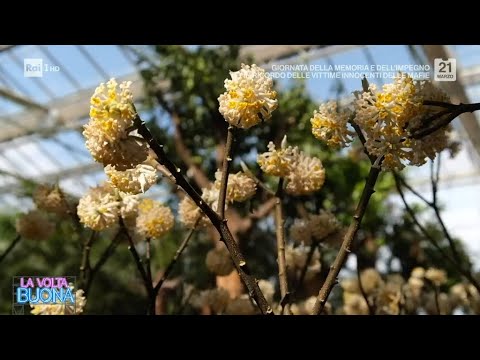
{"x": 42, "y": 290}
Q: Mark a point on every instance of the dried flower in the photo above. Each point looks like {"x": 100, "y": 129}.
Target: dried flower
{"x": 219, "y": 262}
{"x": 241, "y": 306}
{"x": 51, "y": 199}
{"x": 436, "y": 276}
{"x": 267, "y": 289}
{"x": 34, "y": 226}
{"x": 314, "y": 227}
{"x": 371, "y": 280}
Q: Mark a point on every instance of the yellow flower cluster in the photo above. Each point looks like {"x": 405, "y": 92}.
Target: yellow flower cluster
{"x": 108, "y": 133}
{"x": 330, "y": 125}
{"x": 132, "y": 181}
{"x": 304, "y": 174}
{"x": 306, "y": 177}
{"x": 240, "y": 188}
{"x": 278, "y": 162}
{"x": 388, "y": 118}
{"x": 154, "y": 219}
{"x": 249, "y": 98}
{"x": 98, "y": 209}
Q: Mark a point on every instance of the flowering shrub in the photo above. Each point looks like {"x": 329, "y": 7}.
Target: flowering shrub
{"x": 396, "y": 126}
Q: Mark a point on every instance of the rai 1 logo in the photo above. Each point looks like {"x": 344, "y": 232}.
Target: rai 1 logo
{"x": 42, "y": 290}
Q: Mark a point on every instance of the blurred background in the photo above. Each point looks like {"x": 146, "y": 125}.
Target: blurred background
{"x": 175, "y": 88}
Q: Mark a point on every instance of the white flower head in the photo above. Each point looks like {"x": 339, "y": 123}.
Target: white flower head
{"x": 154, "y": 220}
{"x": 240, "y": 187}
{"x": 133, "y": 181}
{"x": 98, "y": 209}
{"x": 307, "y": 176}
{"x": 249, "y": 98}
{"x": 278, "y": 162}
{"x": 109, "y": 137}
{"x": 330, "y": 125}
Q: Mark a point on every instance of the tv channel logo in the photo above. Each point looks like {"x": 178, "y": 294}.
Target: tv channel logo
{"x": 33, "y": 67}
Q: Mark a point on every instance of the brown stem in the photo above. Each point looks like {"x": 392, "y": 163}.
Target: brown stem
{"x": 148, "y": 264}
{"x": 411, "y": 189}
{"x": 466, "y": 273}
{"x": 174, "y": 260}
{"x": 10, "y": 247}
{"x": 85, "y": 264}
{"x": 102, "y": 260}
{"x": 220, "y": 225}
{"x": 434, "y": 178}
{"x": 437, "y": 303}
{"x": 141, "y": 269}
{"x": 452, "y": 112}
{"x": 282, "y": 263}
{"x": 342, "y": 255}
{"x": 222, "y": 196}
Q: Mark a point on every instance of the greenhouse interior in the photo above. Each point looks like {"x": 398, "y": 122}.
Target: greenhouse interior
{"x": 239, "y": 179}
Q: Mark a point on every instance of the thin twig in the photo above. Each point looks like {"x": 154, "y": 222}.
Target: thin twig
{"x": 85, "y": 264}
{"x": 437, "y": 303}
{"x": 102, "y": 260}
{"x": 10, "y": 247}
{"x": 345, "y": 249}
{"x": 152, "y": 296}
{"x": 434, "y": 178}
{"x": 466, "y": 273}
{"x": 282, "y": 263}
{"x": 227, "y": 160}
{"x": 259, "y": 182}
{"x": 141, "y": 269}
{"x": 174, "y": 260}
{"x": 148, "y": 264}
{"x": 220, "y": 225}
{"x": 412, "y": 190}
{"x": 453, "y": 111}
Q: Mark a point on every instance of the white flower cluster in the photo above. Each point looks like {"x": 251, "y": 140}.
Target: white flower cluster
{"x": 389, "y": 117}
{"x": 249, "y": 98}
{"x": 108, "y": 134}
{"x": 330, "y": 125}
{"x": 303, "y": 174}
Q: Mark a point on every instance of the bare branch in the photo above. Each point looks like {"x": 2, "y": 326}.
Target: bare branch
{"x": 220, "y": 225}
